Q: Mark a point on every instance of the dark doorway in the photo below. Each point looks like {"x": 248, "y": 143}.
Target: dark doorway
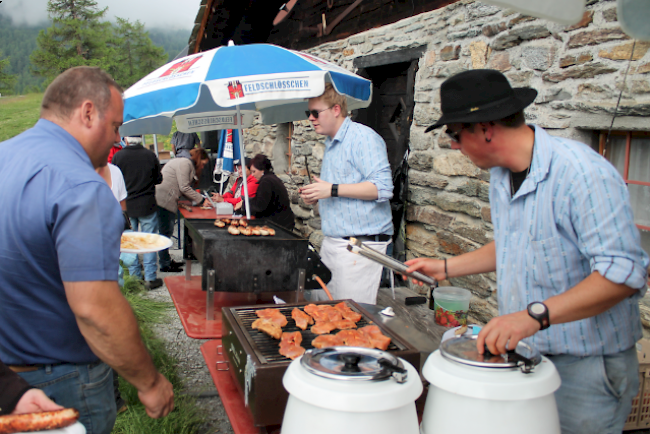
{"x": 391, "y": 110}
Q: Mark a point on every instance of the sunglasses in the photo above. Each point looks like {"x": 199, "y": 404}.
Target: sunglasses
{"x": 453, "y": 135}
{"x": 315, "y": 113}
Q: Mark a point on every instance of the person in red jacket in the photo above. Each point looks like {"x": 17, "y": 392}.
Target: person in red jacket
{"x": 236, "y": 193}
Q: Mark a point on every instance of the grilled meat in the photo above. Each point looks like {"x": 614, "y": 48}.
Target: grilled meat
{"x": 377, "y": 338}
{"x": 301, "y": 318}
{"x": 290, "y": 345}
{"x": 321, "y": 328}
{"x": 274, "y": 315}
{"x": 267, "y": 326}
{"x": 324, "y": 341}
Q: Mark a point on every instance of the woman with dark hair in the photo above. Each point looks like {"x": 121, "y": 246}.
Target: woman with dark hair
{"x": 271, "y": 200}
{"x": 179, "y": 176}
{"x": 236, "y": 193}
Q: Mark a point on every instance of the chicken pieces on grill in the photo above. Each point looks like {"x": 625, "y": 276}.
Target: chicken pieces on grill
{"x": 366, "y": 337}
{"x": 324, "y": 341}
{"x": 268, "y": 326}
{"x": 290, "y": 345}
{"x": 301, "y": 318}
{"x": 348, "y": 313}
{"x": 274, "y": 315}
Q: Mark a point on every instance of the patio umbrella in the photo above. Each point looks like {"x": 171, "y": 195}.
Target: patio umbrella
{"x": 224, "y": 88}
{"x": 227, "y": 156}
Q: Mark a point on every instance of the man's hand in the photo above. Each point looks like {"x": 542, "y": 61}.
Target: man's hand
{"x": 33, "y": 401}
{"x": 238, "y": 205}
{"x": 318, "y": 190}
{"x": 431, "y": 267}
{"x": 217, "y": 198}
{"x": 506, "y": 330}
{"x": 158, "y": 401}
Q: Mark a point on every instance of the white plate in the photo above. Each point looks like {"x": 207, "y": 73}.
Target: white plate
{"x": 75, "y": 428}
{"x": 156, "y": 242}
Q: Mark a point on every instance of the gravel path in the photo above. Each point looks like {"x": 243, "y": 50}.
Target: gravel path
{"x": 191, "y": 365}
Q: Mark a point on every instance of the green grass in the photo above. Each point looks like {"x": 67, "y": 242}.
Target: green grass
{"x": 18, "y": 113}
{"x": 185, "y": 419}
{"x": 21, "y": 112}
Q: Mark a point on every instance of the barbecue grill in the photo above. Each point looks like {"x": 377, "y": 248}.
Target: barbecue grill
{"x": 257, "y": 367}
{"x": 253, "y": 263}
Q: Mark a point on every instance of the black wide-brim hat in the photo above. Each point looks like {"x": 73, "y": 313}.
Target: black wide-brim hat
{"x": 480, "y": 95}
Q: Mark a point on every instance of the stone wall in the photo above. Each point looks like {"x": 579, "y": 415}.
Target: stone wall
{"x": 578, "y": 71}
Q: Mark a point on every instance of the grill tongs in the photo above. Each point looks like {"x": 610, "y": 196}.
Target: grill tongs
{"x": 359, "y": 248}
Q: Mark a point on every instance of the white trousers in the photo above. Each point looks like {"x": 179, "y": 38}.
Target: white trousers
{"x": 353, "y": 276}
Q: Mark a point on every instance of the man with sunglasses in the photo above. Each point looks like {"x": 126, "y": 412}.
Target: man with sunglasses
{"x": 353, "y": 194}
{"x": 570, "y": 268}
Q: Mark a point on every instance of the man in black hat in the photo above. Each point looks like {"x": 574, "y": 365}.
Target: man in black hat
{"x": 570, "y": 269}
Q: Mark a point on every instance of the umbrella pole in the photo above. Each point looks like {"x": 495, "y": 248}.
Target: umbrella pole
{"x": 242, "y": 160}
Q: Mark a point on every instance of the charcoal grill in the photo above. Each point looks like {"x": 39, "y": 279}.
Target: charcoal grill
{"x": 257, "y": 367}
{"x": 252, "y": 263}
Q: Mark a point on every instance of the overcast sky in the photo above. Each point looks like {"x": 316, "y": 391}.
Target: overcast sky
{"x": 176, "y": 14}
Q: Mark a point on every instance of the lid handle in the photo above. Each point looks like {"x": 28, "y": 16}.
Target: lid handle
{"x": 525, "y": 364}
{"x": 351, "y": 362}
{"x": 399, "y": 374}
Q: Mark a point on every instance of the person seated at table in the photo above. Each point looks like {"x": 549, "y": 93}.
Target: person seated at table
{"x": 271, "y": 200}
{"x": 236, "y": 193}
{"x": 179, "y": 176}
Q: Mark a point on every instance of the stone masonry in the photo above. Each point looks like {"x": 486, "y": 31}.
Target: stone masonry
{"x": 578, "y": 70}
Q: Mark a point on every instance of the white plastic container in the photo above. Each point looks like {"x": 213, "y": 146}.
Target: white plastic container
{"x": 320, "y": 405}
{"x": 466, "y": 398}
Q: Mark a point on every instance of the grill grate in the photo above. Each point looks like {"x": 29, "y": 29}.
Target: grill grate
{"x": 267, "y": 347}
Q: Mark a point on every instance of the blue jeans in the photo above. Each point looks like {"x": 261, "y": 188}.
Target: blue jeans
{"x": 87, "y": 388}
{"x": 596, "y": 392}
{"x": 148, "y": 224}
{"x": 166, "y": 221}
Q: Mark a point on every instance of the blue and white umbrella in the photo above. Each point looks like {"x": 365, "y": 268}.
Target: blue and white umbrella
{"x": 202, "y": 91}
{"x": 225, "y": 87}
{"x": 227, "y": 156}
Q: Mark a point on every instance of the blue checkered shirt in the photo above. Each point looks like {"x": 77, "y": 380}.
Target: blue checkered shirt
{"x": 356, "y": 154}
{"x": 571, "y": 216}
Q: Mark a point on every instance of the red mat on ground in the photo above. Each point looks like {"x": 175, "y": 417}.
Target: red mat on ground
{"x": 190, "y": 303}
{"x": 240, "y": 418}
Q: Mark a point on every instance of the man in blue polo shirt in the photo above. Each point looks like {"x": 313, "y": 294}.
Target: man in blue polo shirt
{"x": 63, "y": 319}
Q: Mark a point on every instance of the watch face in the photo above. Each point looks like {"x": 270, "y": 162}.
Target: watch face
{"x": 537, "y": 308}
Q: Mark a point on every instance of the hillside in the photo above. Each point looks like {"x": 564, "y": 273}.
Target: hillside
{"x": 18, "y": 42}
{"x": 18, "y": 113}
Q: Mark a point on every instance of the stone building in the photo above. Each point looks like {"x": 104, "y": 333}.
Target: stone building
{"x": 582, "y": 72}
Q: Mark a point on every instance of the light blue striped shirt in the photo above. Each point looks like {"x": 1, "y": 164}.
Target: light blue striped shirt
{"x": 356, "y": 154}
{"x": 570, "y": 217}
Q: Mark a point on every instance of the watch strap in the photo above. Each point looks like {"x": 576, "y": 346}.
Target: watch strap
{"x": 335, "y": 190}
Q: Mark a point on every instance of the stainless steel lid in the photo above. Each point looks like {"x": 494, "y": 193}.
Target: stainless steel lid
{"x": 463, "y": 350}
{"x": 353, "y": 363}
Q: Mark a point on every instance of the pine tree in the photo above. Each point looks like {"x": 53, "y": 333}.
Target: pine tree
{"x": 7, "y": 81}
{"x": 77, "y": 37}
{"x": 135, "y": 53}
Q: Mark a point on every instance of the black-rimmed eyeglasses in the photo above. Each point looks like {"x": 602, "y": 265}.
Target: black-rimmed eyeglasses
{"x": 315, "y": 113}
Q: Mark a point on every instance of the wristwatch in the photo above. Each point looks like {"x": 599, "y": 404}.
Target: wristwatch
{"x": 538, "y": 311}
{"x": 335, "y": 190}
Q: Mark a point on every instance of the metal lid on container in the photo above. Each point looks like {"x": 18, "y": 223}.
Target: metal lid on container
{"x": 353, "y": 363}
{"x": 463, "y": 350}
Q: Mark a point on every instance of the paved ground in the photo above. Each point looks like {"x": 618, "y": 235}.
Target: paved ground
{"x": 191, "y": 367}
